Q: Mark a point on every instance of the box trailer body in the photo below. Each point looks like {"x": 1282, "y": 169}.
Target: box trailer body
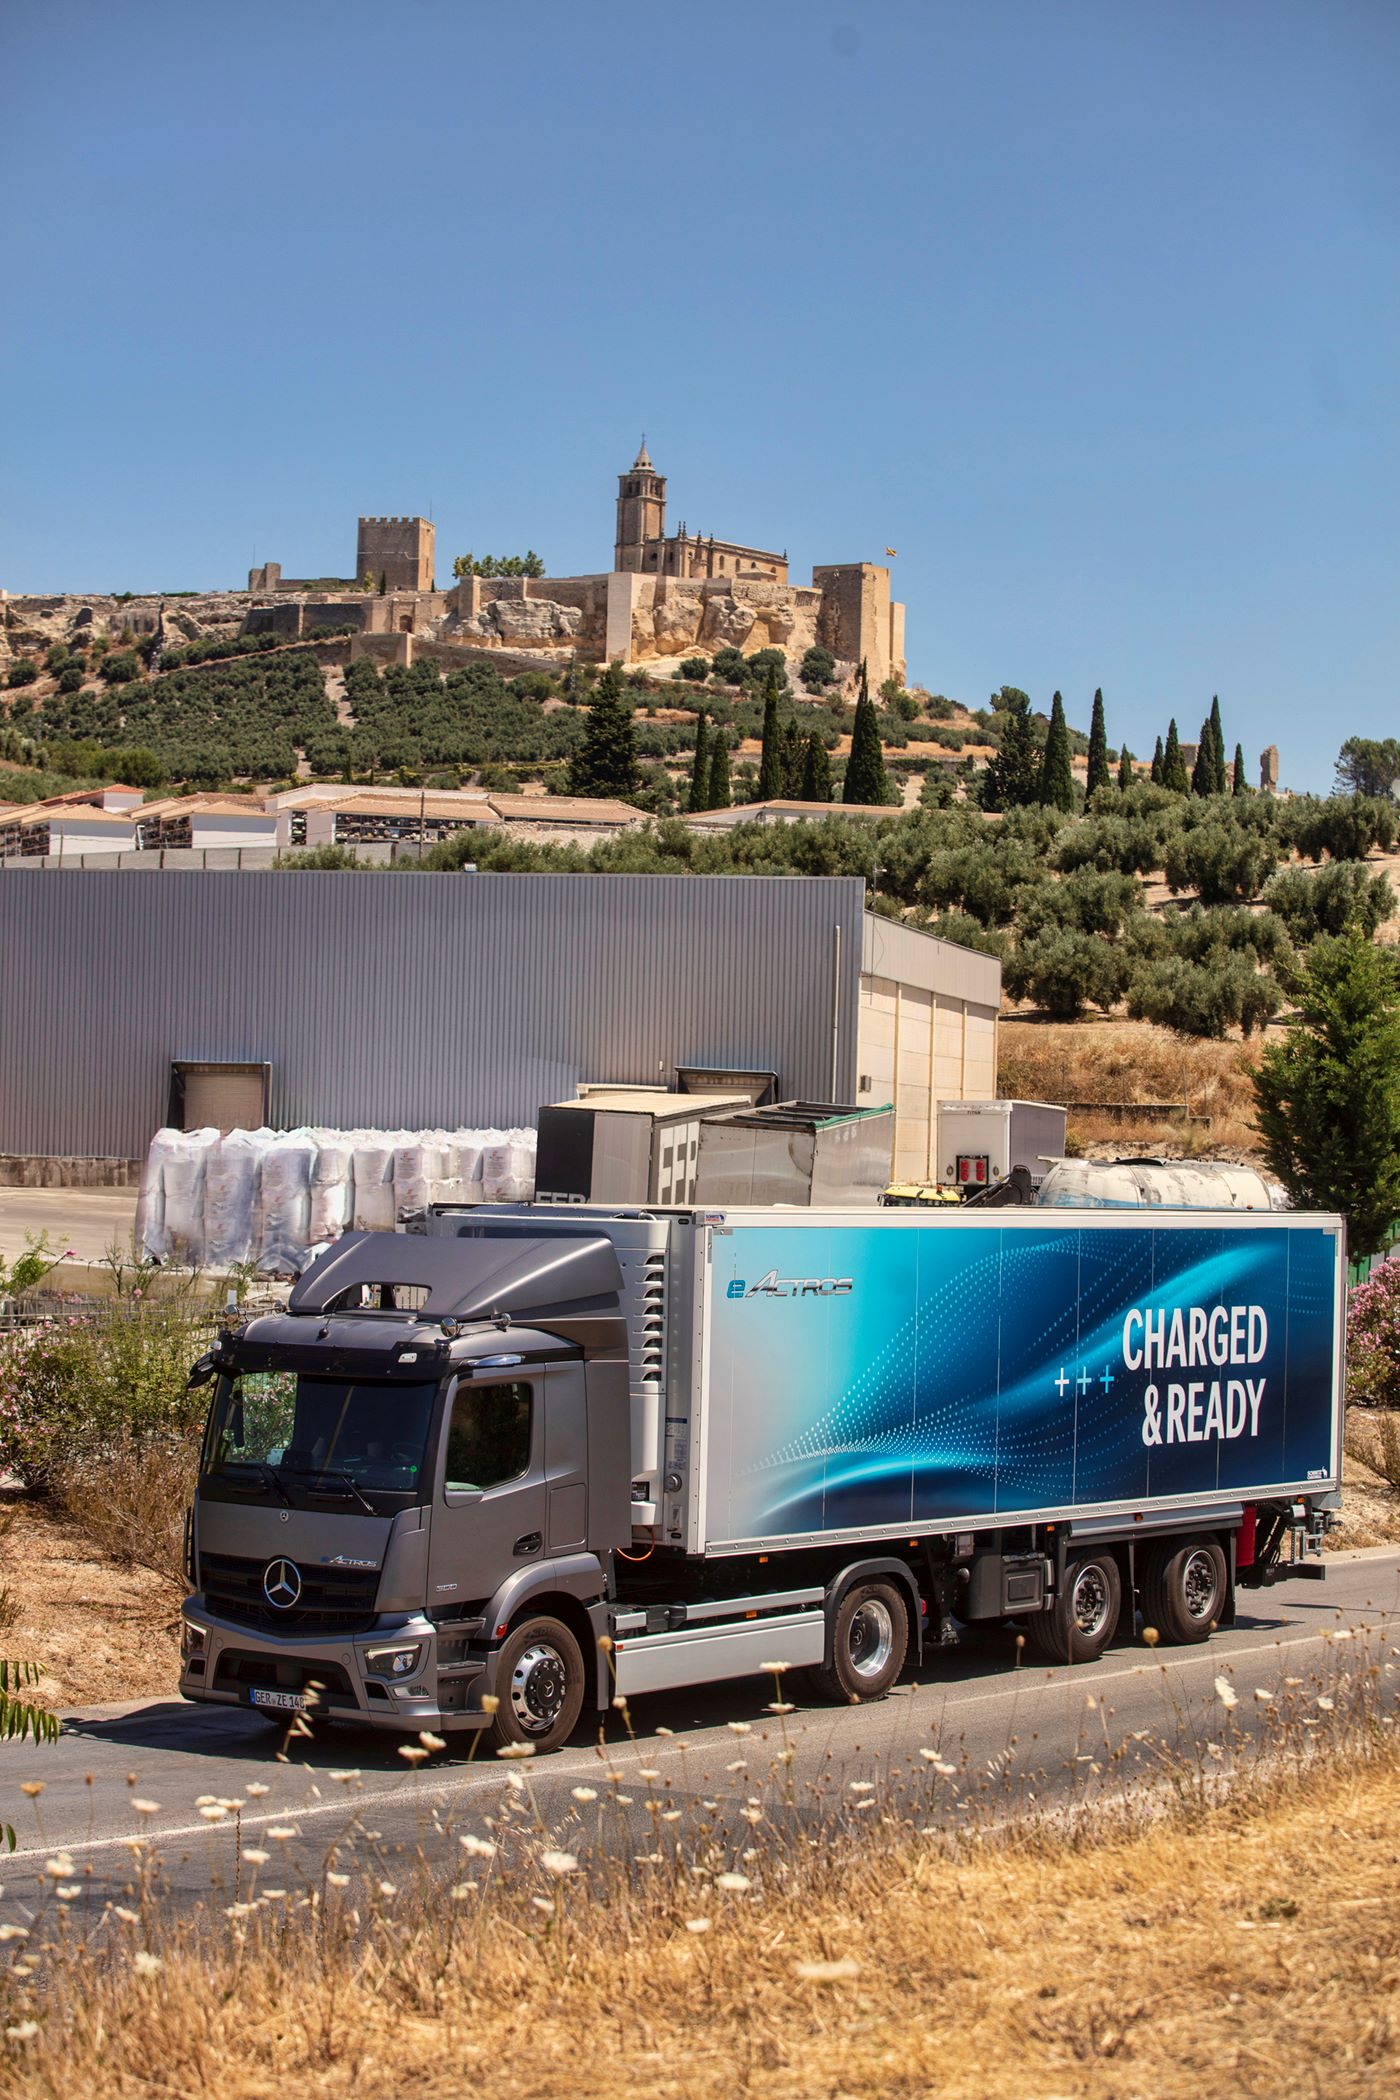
{"x": 819, "y": 1438}
{"x": 619, "y": 1145}
{"x": 979, "y": 1142}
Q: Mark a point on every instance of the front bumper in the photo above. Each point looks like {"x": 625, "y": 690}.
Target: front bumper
{"x": 234, "y": 1660}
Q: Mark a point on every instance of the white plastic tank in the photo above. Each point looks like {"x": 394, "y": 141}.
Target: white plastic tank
{"x": 1171, "y": 1184}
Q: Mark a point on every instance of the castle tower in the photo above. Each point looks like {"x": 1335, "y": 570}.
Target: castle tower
{"x": 641, "y": 510}
{"x": 396, "y": 552}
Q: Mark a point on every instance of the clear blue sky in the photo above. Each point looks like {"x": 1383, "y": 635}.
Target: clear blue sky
{"x": 1089, "y": 309}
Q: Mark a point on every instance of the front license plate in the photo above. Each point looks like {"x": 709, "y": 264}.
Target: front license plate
{"x": 291, "y": 1702}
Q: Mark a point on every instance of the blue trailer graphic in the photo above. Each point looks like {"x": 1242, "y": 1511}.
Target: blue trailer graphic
{"x": 873, "y": 1377}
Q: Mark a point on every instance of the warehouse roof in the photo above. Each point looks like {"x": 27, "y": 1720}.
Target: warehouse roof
{"x": 471, "y": 809}
{"x": 565, "y": 809}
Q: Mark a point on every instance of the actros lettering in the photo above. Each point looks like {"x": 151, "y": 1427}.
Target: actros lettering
{"x": 1202, "y": 1413}
{"x": 775, "y": 1286}
{"x": 1156, "y": 1337}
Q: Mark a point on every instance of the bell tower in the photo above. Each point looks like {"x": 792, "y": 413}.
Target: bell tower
{"x": 641, "y": 510}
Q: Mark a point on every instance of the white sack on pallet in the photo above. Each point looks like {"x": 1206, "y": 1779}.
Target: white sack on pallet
{"x": 185, "y": 1155}
{"x": 150, "y": 1203}
{"x": 373, "y": 1180}
{"x": 283, "y": 1216}
{"x": 332, "y": 1184}
{"x": 231, "y": 1196}
{"x": 508, "y": 1166}
{"x": 420, "y": 1168}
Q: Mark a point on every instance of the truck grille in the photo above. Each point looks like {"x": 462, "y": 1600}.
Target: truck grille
{"x": 332, "y": 1600}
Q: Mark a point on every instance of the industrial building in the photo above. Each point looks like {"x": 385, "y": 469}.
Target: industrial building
{"x": 436, "y": 1000}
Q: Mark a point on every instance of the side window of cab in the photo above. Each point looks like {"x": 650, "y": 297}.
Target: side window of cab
{"x": 488, "y": 1436}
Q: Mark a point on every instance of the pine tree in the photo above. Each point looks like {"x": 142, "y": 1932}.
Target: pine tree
{"x": 719, "y": 796}
{"x": 1099, "y": 776}
{"x": 1329, "y": 1097}
{"x": 1158, "y": 763}
{"x": 1125, "y": 768}
{"x": 605, "y": 763}
{"x": 770, "y": 765}
{"x": 700, "y": 770}
{"x": 1239, "y": 783}
{"x": 1203, "y": 771}
{"x": 1056, "y": 779}
{"x": 1013, "y": 777}
{"x": 1222, "y": 785}
{"x": 866, "y": 780}
{"x": 1173, "y": 764}
{"x": 816, "y": 772}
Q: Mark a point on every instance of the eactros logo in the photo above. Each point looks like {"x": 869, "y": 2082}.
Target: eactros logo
{"x": 775, "y": 1286}
{"x": 282, "y": 1584}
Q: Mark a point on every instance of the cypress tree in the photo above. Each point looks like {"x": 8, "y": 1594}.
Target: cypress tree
{"x": 816, "y": 771}
{"x": 1098, "y": 747}
{"x": 866, "y": 780}
{"x": 770, "y": 765}
{"x": 1239, "y": 783}
{"x": 605, "y": 763}
{"x": 791, "y": 752}
{"x": 1125, "y": 768}
{"x": 1222, "y": 785}
{"x": 1173, "y": 764}
{"x": 1157, "y": 764}
{"x": 719, "y": 796}
{"x": 700, "y": 771}
{"x": 1056, "y": 779}
{"x": 1013, "y": 777}
{"x": 1203, "y": 771}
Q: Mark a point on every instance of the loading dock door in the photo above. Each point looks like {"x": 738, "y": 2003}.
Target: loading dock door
{"x": 222, "y": 1096}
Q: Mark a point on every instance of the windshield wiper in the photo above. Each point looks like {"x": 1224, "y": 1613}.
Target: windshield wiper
{"x": 268, "y": 1472}
{"x": 337, "y": 1473}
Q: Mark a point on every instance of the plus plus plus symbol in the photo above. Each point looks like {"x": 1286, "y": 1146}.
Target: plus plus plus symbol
{"x": 1061, "y": 1382}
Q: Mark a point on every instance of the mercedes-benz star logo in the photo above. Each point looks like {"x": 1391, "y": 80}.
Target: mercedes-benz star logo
{"x": 282, "y": 1584}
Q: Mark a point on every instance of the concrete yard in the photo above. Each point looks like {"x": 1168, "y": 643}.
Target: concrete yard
{"x": 87, "y": 1220}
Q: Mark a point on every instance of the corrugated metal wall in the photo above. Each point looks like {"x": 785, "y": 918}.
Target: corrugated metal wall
{"x": 405, "y": 999}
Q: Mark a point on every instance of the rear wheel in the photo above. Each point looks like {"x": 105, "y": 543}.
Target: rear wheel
{"x": 540, "y": 1684}
{"x": 869, "y": 1639}
{"x": 1185, "y": 1585}
{"x": 1079, "y": 1624}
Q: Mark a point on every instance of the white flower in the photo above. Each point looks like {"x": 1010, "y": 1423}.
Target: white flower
{"x": 734, "y": 1883}
{"x": 257, "y": 1788}
{"x": 1226, "y": 1694}
{"x": 939, "y": 1764}
{"x": 738, "y": 1727}
{"x": 585, "y": 1793}
{"x": 68, "y": 1894}
{"x": 697, "y": 1924}
{"x": 281, "y": 1832}
{"x": 339, "y": 1778}
{"x": 432, "y": 1742}
{"x": 861, "y": 1786}
{"x": 412, "y": 1753}
{"x": 60, "y": 1868}
{"x": 388, "y": 1888}
{"x": 128, "y": 1917}
{"x": 338, "y": 1881}
{"x": 14, "y": 1932}
{"x": 648, "y": 1774}
{"x": 146, "y": 1808}
{"x": 559, "y": 1863}
{"x": 826, "y": 1971}
{"x": 146, "y": 1964}
{"x": 479, "y": 1848}
{"x": 516, "y": 1750}
{"x": 1328, "y": 1705}
{"x": 1260, "y": 1693}
{"x": 543, "y": 1903}
{"x": 255, "y": 1857}
{"x": 25, "y": 2031}
{"x": 463, "y": 1889}
{"x": 213, "y": 1811}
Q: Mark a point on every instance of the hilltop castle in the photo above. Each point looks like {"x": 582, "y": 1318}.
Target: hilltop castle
{"x": 666, "y": 596}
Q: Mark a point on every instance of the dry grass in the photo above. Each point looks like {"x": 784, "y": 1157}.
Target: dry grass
{"x": 1244, "y": 1941}
{"x": 129, "y": 1500}
{"x": 1135, "y": 1062}
{"x": 101, "y": 1631}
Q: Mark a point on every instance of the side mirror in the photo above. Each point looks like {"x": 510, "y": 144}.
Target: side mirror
{"x": 203, "y": 1371}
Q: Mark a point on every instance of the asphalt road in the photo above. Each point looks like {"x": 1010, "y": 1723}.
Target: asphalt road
{"x": 998, "y": 1734}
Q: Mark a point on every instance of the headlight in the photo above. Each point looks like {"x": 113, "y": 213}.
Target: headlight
{"x": 193, "y": 1639}
{"x": 393, "y": 1662}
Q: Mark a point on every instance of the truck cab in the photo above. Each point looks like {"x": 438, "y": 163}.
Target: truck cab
{"x": 394, "y": 1467}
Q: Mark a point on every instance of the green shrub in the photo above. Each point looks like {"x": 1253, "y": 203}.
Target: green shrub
{"x": 121, "y": 667}
{"x": 23, "y": 671}
{"x": 696, "y": 668}
{"x": 1202, "y": 998}
{"x": 1224, "y": 863}
{"x": 70, "y": 1387}
{"x": 1322, "y": 902}
{"x": 818, "y": 669}
{"x": 1373, "y": 1338}
{"x": 1063, "y": 970}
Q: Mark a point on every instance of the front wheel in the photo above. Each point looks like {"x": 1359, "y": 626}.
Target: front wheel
{"x": 1079, "y": 1624}
{"x": 869, "y": 1639}
{"x": 540, "y": 1684}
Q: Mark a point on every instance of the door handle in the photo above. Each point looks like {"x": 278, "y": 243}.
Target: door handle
{"x": 530, "y": 1543}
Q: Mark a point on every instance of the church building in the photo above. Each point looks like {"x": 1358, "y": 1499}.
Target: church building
{"x": 644, "y": 548}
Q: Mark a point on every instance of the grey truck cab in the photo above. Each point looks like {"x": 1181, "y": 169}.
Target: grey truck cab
{"x": 427, "y": 1450}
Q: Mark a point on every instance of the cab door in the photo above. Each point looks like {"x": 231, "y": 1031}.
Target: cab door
{"x": 491, "y": 1507}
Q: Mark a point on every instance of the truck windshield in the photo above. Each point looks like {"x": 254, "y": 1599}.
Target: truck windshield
{"x": 281, "y": 1431}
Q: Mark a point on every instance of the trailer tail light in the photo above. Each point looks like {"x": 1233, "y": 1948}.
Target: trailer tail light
{"x": 1244, "y": 1537}
{"x": 972, "y": 1169}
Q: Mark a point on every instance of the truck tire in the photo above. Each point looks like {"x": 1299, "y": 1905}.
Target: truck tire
{"x": 540, "y": 1684}
{"x": 1079, "y": 1624}
{"x": 869, "y": 1640}
{"x": 1185, "y": 1584}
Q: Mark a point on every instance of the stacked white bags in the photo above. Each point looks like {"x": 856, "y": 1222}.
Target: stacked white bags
{"x": 271, "y": 1197}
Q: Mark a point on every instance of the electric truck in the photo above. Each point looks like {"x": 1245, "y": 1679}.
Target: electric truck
{"x": 525, "y": 1460}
